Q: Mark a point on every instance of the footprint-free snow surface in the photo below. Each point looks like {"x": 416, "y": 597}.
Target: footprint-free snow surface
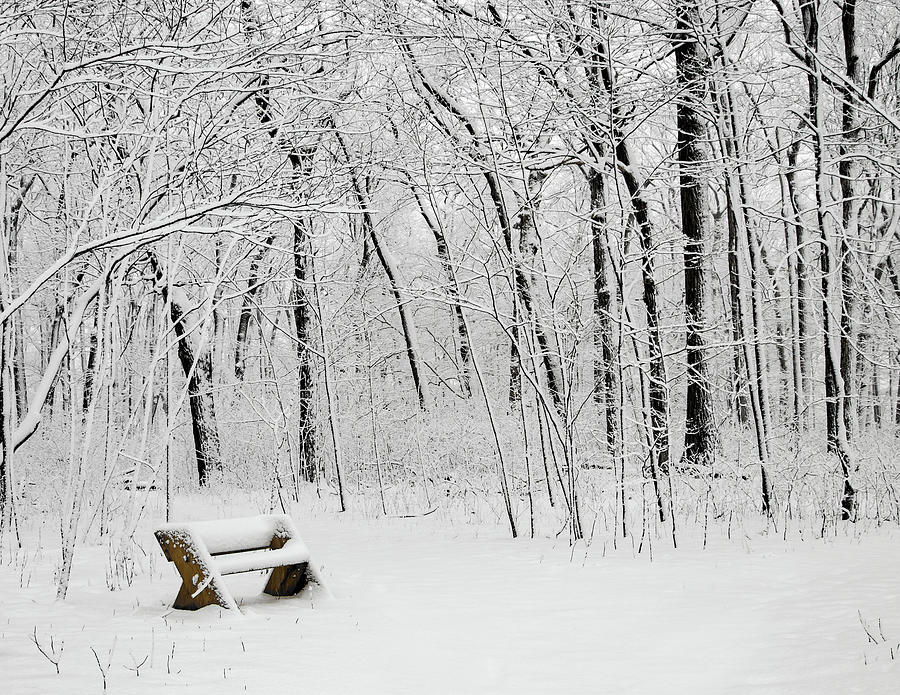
{"x": 420, "y": 608}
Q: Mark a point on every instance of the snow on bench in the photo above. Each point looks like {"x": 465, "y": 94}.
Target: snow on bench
{"x": 293, "y": 552}
{"x": 204, "y": 551}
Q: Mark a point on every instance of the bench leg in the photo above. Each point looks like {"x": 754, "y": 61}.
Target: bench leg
{"x": 192, "y": 563}
{"x": 211, "y": 595}
{"x": 288, "y": 580}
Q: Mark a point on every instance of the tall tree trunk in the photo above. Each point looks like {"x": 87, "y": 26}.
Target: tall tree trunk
{"x": 523, "y": 277}
{"x": 248, "y": 307}
{"x": 740, "y": 368}
{"x": 693, "y": 75}
{"x": 606, "y": 382}
{"x": 452, "y": 287}
{"x": 602, "y": 77}
{"x": 5, "y": 447}
{"x": 802, "y": 276}
{"x": 793, "y": 291}
{"x": 11, "y": 223}
{"x": 750, "y": 374}
{"x": 848, "y": 172}
{"x": 303, "y": 324}
{"x": 301, "y": 158}
{"x": 196, "y": 363}
{"x": 515, "y": 359}
{"x": 5, "y": 439}
{"x": 91, "y": 366}
{"x": 835, "y": 433}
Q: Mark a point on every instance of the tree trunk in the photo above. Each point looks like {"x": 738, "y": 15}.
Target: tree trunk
{"x": 301, "y": 160}
{"x": 793, "y": 294}
{"x": 523, "y": 278}
{"x": 606, "y": 386}
{"x": 248, "y": 306}
{"x": 693, "y": 75}
{"x": 602, "y": 77}
{"x": 802, "y": 276}
{"x": 739, "y": 368}
{"x": 848, "y": 172}
{"x": 835, "y": 434}
{"x": 18, "y": 351}
{"x": 197, "y": 366}
{"x": 303, "y": 324}
{"x": 443, "y": 252}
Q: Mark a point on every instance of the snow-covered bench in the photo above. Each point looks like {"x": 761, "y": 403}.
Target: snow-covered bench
{"x": 205, "y": 551}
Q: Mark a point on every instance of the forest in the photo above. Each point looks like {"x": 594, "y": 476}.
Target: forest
{"x": 620, "y": 273}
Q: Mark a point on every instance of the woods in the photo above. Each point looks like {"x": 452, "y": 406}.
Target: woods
{"x": 614, "y": 268}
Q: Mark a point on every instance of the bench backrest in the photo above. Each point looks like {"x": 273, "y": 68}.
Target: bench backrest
{"x": 245, "y": 533}
{"x": 237, "y": 535}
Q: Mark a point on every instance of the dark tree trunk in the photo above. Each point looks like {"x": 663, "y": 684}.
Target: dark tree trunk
{"x": 802, "y": 277}
{"x": 793, "y": 290}
{"x": 18, "y": 339}
{"x": 301, "y": 160}
{"x": 91, "y": 367}
{"x": 523, "y": 279}
{"x": 606, "y": 383}
{"x": 658, "y": 385}
{"x": 848, "y": 172}
{"x": 198, "y": 371}
{"x": 303, "y": 324}
{"x": 18, "y": 366}
{"x": 693, "y": 73}
{"x": 833, "y": 396}
{"x": 515, "y": 359}
{"x": 602, "y": 77}
{"x": 248, "y": 307}
{"x": 197, "y": 366}
{"x": 443, "y": 252}
{"x": 738, "y": 378}
{"x": 5, "y": 444}
{"x": 739, "y": 369}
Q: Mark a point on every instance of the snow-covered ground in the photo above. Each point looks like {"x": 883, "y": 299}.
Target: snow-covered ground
{"x": 418, "y": 607}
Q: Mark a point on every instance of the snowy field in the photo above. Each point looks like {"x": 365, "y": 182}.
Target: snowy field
{"x": 420, "y": 608}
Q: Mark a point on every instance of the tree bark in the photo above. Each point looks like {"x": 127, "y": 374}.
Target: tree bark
{"x": 693, "y": 69}
{"x": 848, "y": 172}
{"x": 801, "y": 273}
{"x": 12, "y": 222}
{"x": 248, "y": 306}
{"x": 606, "y": 382}
{"x": 197, "y": 366}
{"x": 835, "y": 434}
{"x": 301, "y": 159}
{"x": 303, "y": 325}
{"x": 526, "y": 283}
{"x": 602, "y": 77}
{"x": 452, "y": 288}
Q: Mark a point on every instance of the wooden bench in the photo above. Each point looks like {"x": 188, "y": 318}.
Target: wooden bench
{"x": 204, "y": 551}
